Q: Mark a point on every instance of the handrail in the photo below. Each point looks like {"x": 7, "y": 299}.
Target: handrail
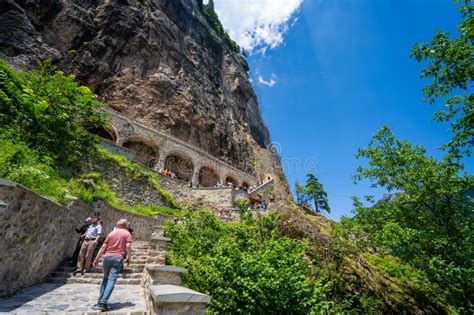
{"x": 261, "y": 186}
{"x": 116, "y": 113}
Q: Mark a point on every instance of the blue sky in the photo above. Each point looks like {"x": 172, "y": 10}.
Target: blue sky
{"x": 342, "y": 71}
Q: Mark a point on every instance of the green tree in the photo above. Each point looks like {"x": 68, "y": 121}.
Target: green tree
{"x": 302, "y": 198}
{"x": 50, "y": 111}
{"x": 319, "y": 196}
{"x": 430, "y": 222}
{"x": 451, "y": 71}
{"x": 313, "y": 191}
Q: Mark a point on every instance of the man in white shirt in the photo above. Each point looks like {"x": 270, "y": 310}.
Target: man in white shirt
{"x": 91, "y": 238}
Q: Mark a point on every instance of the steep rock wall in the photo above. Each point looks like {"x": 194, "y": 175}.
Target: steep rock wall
{"x": 156, "y": 61}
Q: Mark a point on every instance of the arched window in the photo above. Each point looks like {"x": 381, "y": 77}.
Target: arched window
{"x": 231, "y": 180}
{"x": 180, "y": 165}
{"x": 145, "y": 151}
{"x": 208, "y": 177}
{"x": 104, "y": 133}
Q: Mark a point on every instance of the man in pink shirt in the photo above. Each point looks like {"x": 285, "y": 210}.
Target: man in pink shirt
{"x": 117, "y": 246}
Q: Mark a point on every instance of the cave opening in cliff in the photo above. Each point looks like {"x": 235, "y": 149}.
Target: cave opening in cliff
{"x": 231, "y": 180}
{"x": 145, "y": 151}
{"x": 181, "y": 166}
{"x": 107, "y": 133}
{"x": 208, "y": 177}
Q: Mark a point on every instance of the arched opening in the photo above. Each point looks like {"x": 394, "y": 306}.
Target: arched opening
{"x": 145, "y": 152}
{"x": 208, "y": 177}
{"x": 104, "y": 133}
{"x": 231, "y": 181}
{"x": 180, "y": 166}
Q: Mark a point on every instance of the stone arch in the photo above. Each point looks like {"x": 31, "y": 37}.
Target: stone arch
{"x": 105, "y": 132}
{"x": 180, "y": 164}
{"x": 265, "y": 178}
{"x": 231, "y": 179}
{"x": 208, "y": 176}
{"x": 146, "y": 150}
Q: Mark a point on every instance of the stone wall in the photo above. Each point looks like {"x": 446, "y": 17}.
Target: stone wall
{"x": 131, "y": 190}
{"x": 40, "y": 233}
{"x": 135, "y": 191}
{"x": 124, "y": 129}
{"x": 214, "y": 198}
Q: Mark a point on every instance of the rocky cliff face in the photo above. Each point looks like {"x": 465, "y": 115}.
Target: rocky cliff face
{"x": 156, "y": 61}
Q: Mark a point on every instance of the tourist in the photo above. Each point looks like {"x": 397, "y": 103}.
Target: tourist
{"x": 117, "y": 246}
{"x": 82, "y": 230}
{"x": 91, "y": 238}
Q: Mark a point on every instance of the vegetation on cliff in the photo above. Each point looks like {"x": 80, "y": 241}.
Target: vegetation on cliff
{"x": 247, "y": 266}
{"x": 211, "y": 16}
{"x": 44, "y": 121}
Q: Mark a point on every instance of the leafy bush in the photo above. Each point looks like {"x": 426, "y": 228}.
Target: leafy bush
{"x": 20, "y": 163}
{"x": 50, "y": 111}
{"x": 246, "y": 266}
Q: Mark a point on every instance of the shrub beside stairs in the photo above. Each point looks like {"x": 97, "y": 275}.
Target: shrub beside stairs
{"x": 164, "y": 294}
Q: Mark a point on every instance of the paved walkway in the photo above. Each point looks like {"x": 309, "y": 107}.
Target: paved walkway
{"x": 50, "y": 298}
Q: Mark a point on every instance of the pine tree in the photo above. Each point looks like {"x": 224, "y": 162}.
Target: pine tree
{"x": 315, "y": 191}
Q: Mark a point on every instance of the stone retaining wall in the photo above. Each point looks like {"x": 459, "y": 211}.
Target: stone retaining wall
{"x": 213, "y": 198}
{"x": 125, "y": 129}
{"x": 36, "y": 234}
{"x": 132, "y": 191}
{"x": 139, "y": 191}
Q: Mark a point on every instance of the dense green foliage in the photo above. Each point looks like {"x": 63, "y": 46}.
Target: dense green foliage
{"x": 313, "y": 191}
{"x": 247, "y": 266}
{"x": 451, "y": 71}
{"x": 20, "y": 163}
{"x": 212, "y": 18}
{"x": 49, "y": 111}
{"x": 429, "y": 222}
{"x": 253, "y": 267}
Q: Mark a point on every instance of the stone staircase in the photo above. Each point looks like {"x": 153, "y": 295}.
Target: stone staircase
{"x": 131, "y": 275}
{"x": 160, "y": 282}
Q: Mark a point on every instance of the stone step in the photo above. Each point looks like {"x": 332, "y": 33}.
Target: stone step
{"x": 65, "y": 280}
{"x": 138, "y": 260}
{"x": 131, "y": 269}
{"x": 143, "y": 249}
{"x": 134, "y": 265}
{"x": 95, "y": 275}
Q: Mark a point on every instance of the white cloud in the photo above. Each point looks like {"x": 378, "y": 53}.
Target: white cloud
{"x": 257, "y": 23}
{"x": 270, "y": 82}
